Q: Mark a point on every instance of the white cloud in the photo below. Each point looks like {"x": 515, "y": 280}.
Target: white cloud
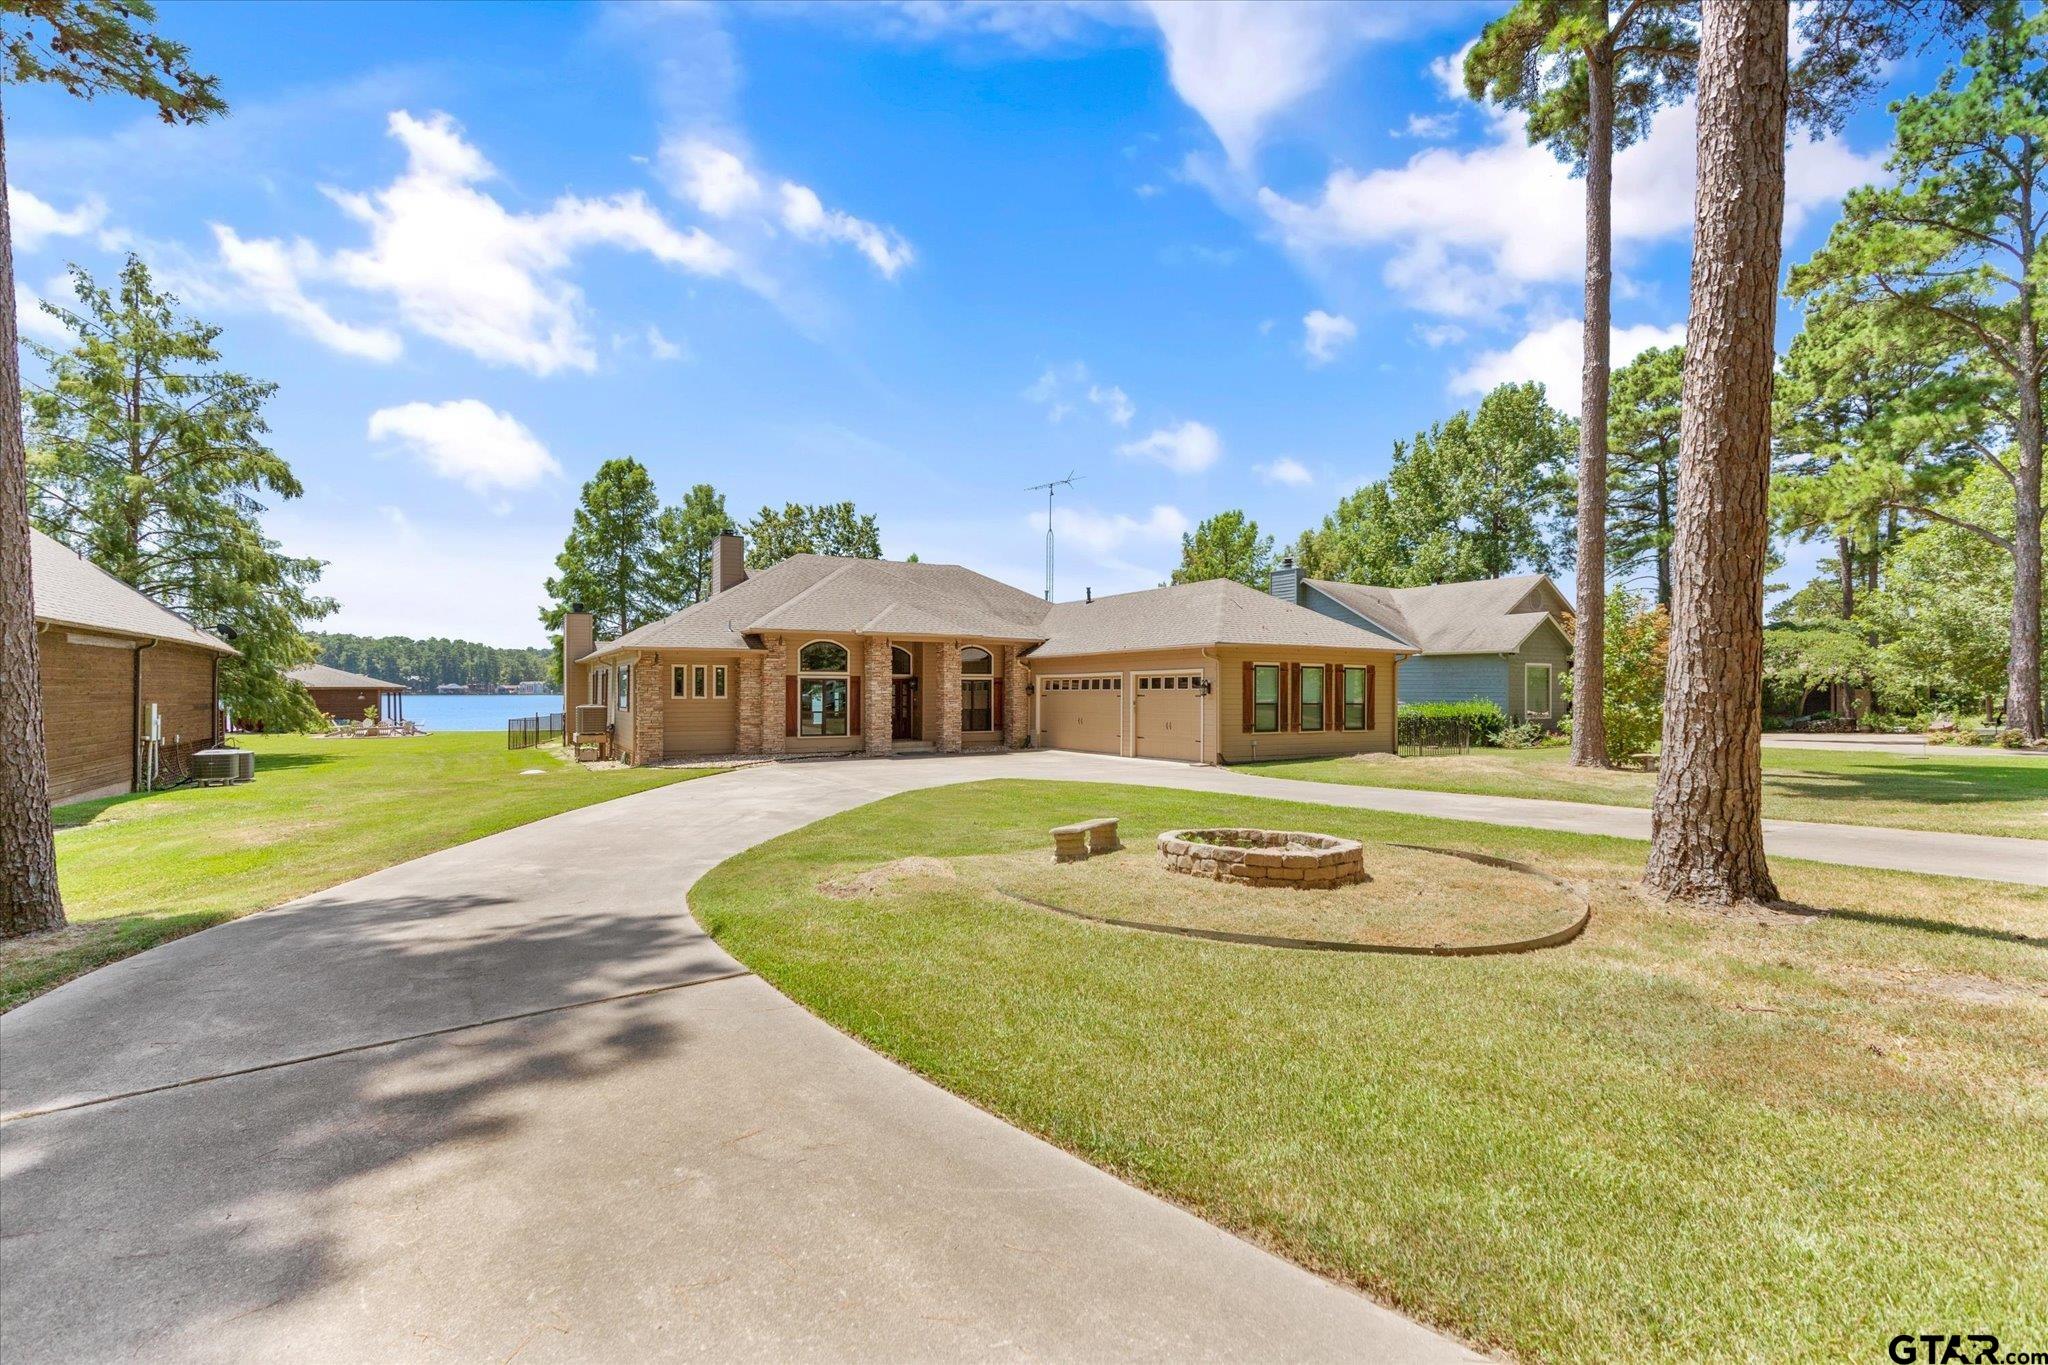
{"x": 1240, "y": 63}
{"x": 1434, "y": 335}
{"x": 661, "y": 348}
{"x": 1188, "y": 448}
{"x": 35, "y": 220}
{"x": 1470, "y": 230}
{"x": 268, "y": 275}
{"x": 1063, "y": 388}
{"x": 1101, "y": 534}
{"x": 457, "y": 265}
{"x": 1286, "y": 470}
{"x": 467, "y": 441}
{"x": 718, "y": 181}
{"x": 34, "y": 323}
{"x": 804, "y": 214}
{"x": 1431, "y": 127}
{"x": 709, "y": 176}
{"x": 1325, "y": 334}
{"x": 1553, "y": 354}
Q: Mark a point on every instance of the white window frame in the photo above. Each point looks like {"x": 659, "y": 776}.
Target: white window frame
{"x": 625, "y": 687}
{"x": 909, "y": 662}
{"x": 1278, "y": 703}
{"x": 718, "y": 682}
{"x": 1549, "y": 698}
{"x": 1321, "y": 674}
{"x": 805, "y": 676}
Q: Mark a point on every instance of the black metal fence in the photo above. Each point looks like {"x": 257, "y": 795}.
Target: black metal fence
{"x": 1417, "y": 735}
{"x": 523, "y": 732}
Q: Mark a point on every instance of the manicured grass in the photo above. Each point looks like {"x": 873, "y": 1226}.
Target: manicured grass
{"x": 139, "y": 870}
{"x": 1963, "y": 795}
{"x": 1685, "y": 1135}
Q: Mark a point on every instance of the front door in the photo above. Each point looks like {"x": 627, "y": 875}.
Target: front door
{"x": 903, "y": 710}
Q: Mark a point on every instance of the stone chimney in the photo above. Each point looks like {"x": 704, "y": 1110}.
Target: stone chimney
{"x": 728, "y": 561}
{"x": 579, "y": 635}
{"x": 1286, "y": 584}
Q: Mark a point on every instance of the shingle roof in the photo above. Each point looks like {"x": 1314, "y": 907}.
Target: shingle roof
{"x": 1479, "y": 617}
{"x": 814, "y": 594}
{"x": 73, "y": 591}
{"x": 1191, "y": 615}
{"x": 320, "y": 675}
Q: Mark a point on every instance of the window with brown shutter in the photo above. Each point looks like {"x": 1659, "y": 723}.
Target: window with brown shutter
{"x": 1250, "y": 680}
{"x": 997, "y": 707}
{"x": 853, "y": 708}
{"x": 789, "y": 716}
{"x": 1372, "y": 693}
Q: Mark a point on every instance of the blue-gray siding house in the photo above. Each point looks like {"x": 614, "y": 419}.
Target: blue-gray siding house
{"x": 1498, "y": 639}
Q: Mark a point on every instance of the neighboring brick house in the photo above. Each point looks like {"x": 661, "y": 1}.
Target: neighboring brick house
{"x": 107, "y": 655}
{"x": 820, "y": 655}
{"x": 341, "y": 695}
{"x": 1495, "y": 639}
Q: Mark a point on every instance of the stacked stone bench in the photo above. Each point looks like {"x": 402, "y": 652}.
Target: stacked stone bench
{"x": 1264, "y": 857}
{"x": 1072, "y": 843}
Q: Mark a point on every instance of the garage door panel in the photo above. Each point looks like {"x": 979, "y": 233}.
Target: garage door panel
{"x": 1081, "y": 713}
{"x": 1168, "y": 709}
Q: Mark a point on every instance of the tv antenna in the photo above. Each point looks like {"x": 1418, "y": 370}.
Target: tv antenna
{"x": 1067, "y": 482}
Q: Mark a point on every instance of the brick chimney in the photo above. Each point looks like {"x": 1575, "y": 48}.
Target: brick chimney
{"x": 579, "y": 636}
{"x": 728, "y": 561}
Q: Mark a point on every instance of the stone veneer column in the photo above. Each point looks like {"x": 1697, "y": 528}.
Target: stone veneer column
{"x": 1016, "y": 704}
{"x": 650, "y": 742}
{"x": 877, "y": 719}
{"x": 774, "y": 696}
{"x": 747, "y": 727}
{"x": 949, "y": 696}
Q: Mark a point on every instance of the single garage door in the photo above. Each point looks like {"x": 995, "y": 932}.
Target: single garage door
{"x": 1169, "y": 716}
{"x": 1081, "y": 713}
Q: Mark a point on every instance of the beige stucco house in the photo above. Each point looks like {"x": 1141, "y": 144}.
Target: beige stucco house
{"x": 821, "y": 655}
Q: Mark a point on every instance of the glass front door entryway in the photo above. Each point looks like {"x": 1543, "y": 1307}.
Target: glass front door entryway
{"x": 904, "y": 720}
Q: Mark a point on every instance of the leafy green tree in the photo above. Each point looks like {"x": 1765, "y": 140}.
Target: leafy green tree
{"x": 833, "y": 528}
{"x": 427, "y": 664}
{"x": 1801, "y": 660}
{"x": 1227, "y": 545}
{"x": 1948, "y": 262}
{"x": 87, "y": 48}
{"x": 607, "y": 562}
{"x": 1642, "y": 465}
{"x": 1638, "y": 636}
{"x": 151, "y": 460}
{"x": 1478, "y": 496}
{"x": 682, "y": 552}
{"x": 1590, "y": 77}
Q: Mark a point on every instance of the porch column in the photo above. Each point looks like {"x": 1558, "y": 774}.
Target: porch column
{"x": 878, "y": 715}
{"x": 1016, "y": 705}
{"x": 949, "y": 696}
{"x": 747, "y": 728}
{"x": 650, "y": 744}
{"x": 774, "y": 696}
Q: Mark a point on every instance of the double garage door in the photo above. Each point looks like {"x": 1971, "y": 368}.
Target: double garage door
{"x": 1087, "y": 713}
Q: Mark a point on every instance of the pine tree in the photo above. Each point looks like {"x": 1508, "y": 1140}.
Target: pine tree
{"x": 607, "y": 562}
{"x": 1642, "y": 466}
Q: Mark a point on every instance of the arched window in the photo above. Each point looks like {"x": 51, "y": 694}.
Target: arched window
{"x": 977, "y": 691}
{"x": 899, "y": 661}
{"x": 821, "y": 656}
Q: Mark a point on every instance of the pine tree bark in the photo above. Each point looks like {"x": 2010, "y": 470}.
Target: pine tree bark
{"x": 2023, "y": 663}
{"x": 1707, "y": 821}
{"x": 1589, "y": 633}
{"x": 28, "y": 855}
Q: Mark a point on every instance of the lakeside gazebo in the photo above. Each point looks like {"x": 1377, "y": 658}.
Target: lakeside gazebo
{"x": 348, "y": 696}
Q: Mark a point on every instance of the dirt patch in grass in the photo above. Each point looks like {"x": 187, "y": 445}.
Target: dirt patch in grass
{"x": 1412, "y": 898}
{"x": 861, "y": 885}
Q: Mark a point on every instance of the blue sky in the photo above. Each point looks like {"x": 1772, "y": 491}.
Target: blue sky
{"x": 915, "y": 255}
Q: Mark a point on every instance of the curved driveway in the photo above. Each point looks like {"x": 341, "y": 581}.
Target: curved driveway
{"x": 509, "y": 1099}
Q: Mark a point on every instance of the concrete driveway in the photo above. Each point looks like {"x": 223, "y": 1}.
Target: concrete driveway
{"x": 509, "y": 1100}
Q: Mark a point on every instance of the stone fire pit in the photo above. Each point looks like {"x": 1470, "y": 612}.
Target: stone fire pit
{"x": 1264, "y": 857}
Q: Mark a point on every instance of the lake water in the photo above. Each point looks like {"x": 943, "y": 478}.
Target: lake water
{"x": 433, "y": 712}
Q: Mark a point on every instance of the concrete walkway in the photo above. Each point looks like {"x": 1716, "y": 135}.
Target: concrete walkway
{"x": 1906, "y": 746}
{"x": 508, "y": 1099}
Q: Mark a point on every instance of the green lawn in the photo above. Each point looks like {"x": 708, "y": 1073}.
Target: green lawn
{"x": 1964, "y": 795}
{"x": 1686, "y": 1135}
{"x": 139, "y": 870}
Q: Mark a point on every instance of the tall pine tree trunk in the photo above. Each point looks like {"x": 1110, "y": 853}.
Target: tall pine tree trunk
{"x": 1707, "y": 840}
{"x": 1845, "y": 568}
{"x": 2023, "y": 666}
{"x": 1589, "y": 637}
{"x": 28, "y": 857}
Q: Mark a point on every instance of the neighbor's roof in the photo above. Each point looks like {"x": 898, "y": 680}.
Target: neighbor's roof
{"x": 320, "y": 675}
{"x": 819, "y": 594}
{"x": 1191, "y": 615}
{"x": 1487, "y": 616}
{"x": 71, "y": 590}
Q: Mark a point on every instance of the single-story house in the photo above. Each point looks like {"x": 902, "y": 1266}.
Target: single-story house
{"x": 825, "y": 655}
{"x": 349, "y": 696}
{"x": 112, "y": 660}
{"x": 1496, "y": 639}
